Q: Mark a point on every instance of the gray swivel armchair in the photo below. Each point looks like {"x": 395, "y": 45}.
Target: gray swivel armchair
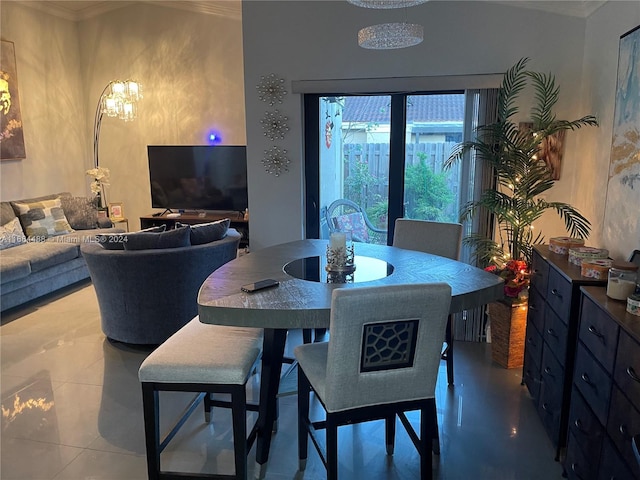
{"x": 381, "y": 361}
{"x": 145, "y": 296}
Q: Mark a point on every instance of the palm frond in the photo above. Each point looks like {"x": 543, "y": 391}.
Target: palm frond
{"x": 576, "y": 224}
{"x": 546, "y": 95}
{"x": 513, "y": 83}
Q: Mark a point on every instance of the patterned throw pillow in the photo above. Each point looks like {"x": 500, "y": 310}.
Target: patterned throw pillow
{"x": 208, "y": 232}
{"x": 42, "y": 219}
{"x": 353, "y": 222}
{"x": 81, "y": 212}
{"x": 11, "y": 234}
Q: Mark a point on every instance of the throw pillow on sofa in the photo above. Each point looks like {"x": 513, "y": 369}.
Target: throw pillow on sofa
{"x": 11, "y": 234}
{"x": 117, "y": 241}
{"x": 208, "y": 232}
{"x": 42, "y": 219}
{"x": 81, "y": 212}
{"x": 179, "y": 237}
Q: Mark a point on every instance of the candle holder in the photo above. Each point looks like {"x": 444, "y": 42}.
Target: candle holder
{"x": 340, "y": 277}
{"x": 340, "y": 259}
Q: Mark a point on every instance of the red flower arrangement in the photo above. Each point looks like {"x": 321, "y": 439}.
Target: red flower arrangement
{"x": 516, "y": 277}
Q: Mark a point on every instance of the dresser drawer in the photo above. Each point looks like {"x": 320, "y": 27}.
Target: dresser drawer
{"x": 531, "y": 376}
{"x": 536, "y": 312}
{"x": 555, "y": 335}
{"x": 559, "y": 294}
{"x": 593, "y": 382}
{"x": 584, "y": 425}
{"x": 539, "y": 272}
{"x": 551, "y": 371}
{"x": 627, "y": 369}
{"x": 611, "y": 464}
{"x": 533, "y": 344}
{"x": 551, "y": 389}
{"x": 624, "y": 422}
{"x": 577, "y": 465}
{"x": 599, "y": 333}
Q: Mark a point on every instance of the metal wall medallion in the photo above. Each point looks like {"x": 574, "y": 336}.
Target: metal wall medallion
{"x": 274, "y": 125}
{"x": 275, "y": 161}
{"x": 271, "y": 89}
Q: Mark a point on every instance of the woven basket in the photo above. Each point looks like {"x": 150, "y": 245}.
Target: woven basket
{"x": 508, "y": 327}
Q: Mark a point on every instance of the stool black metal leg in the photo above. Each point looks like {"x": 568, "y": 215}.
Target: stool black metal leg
{"x": 273, "y": 352}
{"x": 426, "y": 423}
{"x": 304, "y": 390}
{"x": 150, "y": 407}
{"x": 390, "y": 433}
{"x": 449, "y": 352}
{"x": 239, "y": 416}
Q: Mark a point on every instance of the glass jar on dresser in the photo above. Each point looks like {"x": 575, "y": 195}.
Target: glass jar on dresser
{"x": 551, "y": 338}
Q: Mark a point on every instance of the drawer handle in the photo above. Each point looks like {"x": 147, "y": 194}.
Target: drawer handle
{"x": 556, "y": 293}
{"x": 532, "y": 307}
{"x": 595, "y": 331}
{"x": 587, "y": 380}
{"x": 574, "y": 469}
{"x": 578, "y": 425}
{"x": 552, "y": 332}
{"x": 624, "y": 431}
{"x": 531, "y": 342}
{"x": 545, "y": 407}
{"x": 632, "y": 373}
{"x": 548, "y": 371}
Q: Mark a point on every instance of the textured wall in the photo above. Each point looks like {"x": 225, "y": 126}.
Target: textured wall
{"x": 190, "y": 65}
{"x": 48, "y": 64}
{"x": 304, "y": 40}
{"x": 601, "y": 67}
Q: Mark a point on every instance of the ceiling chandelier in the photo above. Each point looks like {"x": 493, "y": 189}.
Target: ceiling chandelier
{"x": 387, "y": 36}
{"x": 386, "y": 3}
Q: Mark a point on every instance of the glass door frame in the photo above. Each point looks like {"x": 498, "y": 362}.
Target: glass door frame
{"x": 311, "y": 149}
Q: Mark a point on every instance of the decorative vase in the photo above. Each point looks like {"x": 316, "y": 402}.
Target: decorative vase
{"x": 508, "y": 329}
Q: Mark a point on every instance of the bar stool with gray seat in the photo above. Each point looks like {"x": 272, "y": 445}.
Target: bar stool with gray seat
{"x": 437, "y": 238}
{"x": 202, "y": 359}
{"x": 381, "y": 361}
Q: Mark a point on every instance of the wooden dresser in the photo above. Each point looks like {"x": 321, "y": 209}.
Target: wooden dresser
{"x": 605, "y": 402}
{"x": 551, "y": 338}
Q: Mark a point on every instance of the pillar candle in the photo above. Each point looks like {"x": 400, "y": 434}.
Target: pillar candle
{"x": 338, "y": 241}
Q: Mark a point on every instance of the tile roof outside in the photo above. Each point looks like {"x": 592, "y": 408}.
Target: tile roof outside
{"x": 420, "y": 108}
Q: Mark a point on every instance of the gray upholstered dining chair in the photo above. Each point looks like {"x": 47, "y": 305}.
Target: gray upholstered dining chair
{"x": 399, "y": 330}
{"x": 437, "y": 238}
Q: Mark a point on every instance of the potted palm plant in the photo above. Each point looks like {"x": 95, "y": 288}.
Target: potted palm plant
{"x": 522, "y": 176}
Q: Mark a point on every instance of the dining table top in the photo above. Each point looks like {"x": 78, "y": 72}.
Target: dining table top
{"x": 300, "y": 303}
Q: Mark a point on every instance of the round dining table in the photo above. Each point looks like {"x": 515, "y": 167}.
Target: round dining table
{"x": 302, "y": 300}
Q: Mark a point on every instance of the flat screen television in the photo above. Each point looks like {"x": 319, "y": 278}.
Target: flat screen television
{"x": 198, "y": 177}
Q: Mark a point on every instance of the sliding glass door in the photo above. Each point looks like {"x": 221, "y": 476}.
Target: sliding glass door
{"x": 373, "y": 158}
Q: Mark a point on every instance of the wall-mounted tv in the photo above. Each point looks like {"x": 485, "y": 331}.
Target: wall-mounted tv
{"x": 198, "y": 177}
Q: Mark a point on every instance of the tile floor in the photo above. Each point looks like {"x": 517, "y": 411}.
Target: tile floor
{"x": 71, "y": 409}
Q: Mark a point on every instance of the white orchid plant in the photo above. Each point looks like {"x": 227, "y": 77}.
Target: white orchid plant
{"x": 100, "y": 177}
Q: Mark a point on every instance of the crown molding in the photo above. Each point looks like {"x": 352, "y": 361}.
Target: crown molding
{"x": 83, "y": 10}
{"x": 573, "y": 8}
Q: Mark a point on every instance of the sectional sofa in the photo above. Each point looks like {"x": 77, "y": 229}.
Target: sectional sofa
{"x": 40, "y": 242}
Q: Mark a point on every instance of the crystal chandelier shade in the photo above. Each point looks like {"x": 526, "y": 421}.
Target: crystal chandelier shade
{"x": 387, "y": 36}
{"x": 120, "y": 99}
{"x": 386, "y": 3}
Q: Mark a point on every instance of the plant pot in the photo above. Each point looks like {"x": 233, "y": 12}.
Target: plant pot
{"x": 508, "y": 328}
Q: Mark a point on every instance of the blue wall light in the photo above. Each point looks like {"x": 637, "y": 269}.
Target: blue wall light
{"x": 214, "y": 138}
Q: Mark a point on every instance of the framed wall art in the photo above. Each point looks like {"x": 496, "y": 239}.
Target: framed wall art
{"x": 621, "y": 219}
{"x": 11, "y": 136}
{"x": 116, "y": 211}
